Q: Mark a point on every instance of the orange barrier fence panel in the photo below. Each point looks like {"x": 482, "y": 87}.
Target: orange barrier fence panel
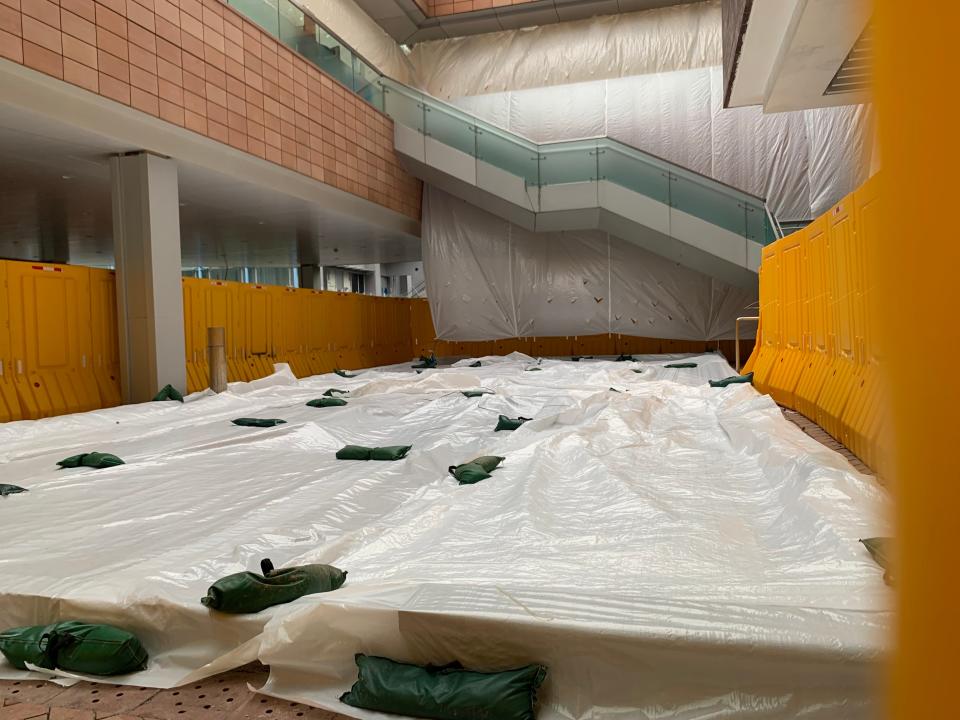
{"x": 51, "y": 338}
{"x": 105, "y": 341}
{"x": 9, "y": 403}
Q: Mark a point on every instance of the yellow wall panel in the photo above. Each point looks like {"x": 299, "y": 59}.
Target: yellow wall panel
{"x": 9, "y": 403}
{"x": 51, "y": 338}
{"x": 105, "y": 342}
{"x": 818, "y": 320}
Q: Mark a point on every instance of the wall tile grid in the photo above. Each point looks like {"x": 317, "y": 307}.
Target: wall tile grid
{"x": 201, "y": 65}
{"x": 436, "y": 8}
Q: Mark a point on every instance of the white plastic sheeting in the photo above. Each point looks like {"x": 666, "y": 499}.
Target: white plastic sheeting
{"x": 361, "y": 32}
{"x": 669, "y": 549}
{"x": 607, "y": 46}
{"x": 488, "y": 278}
{"x": 802, "y": 162}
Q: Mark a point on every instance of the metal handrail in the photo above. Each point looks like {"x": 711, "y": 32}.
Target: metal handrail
{"x": 736, "y": 338}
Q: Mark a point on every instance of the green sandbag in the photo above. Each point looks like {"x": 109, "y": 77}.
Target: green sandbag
{"x": 881, "y": 550}
{"x": 505, "y": 423}
{"x": 681, "y": 365}
{"x": 732, "y": 380}
{"x": 96, "y": 460}
{"x": 476, "y": 470}
{"x": 344, "y": 373}
{"x": 168, "y": 392}
{"x": 390, "y": 452}
{"x": 448, "y": 692}
{"x": 476, "y": 364}
{"x": 248, "y": 592}
{"x": 626, "y": 358}
{"x": 354, "y": 452}
{"x": 332, "y": 391}
{"x": 426, "y": 362}
{"x": 76, "y": 647}
{"x": 476, "y": 393}
{"x": 359, "y": 452}
{"x": 327, "y": 402}
{"x": 10, "y": 489}
{"x": 258, "y": 422}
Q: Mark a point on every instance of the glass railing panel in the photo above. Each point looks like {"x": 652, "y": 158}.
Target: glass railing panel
{"x": 568, "y": 162}
{"x": 264, "y": 13}
{"x": 292, "y": 30}
{"x": 403, "y": 105}
{"x": 508, "y": 152}
{"x": 451, "y": 127}
{"x": 635, "y": 171}
{"x": 335, "y": 58}
{"x": 366, "y": 83}
{"x": 759, "y": 228}
{"x": 700, "y": 199}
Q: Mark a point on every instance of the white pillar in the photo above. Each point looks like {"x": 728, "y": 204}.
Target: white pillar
{"x": 377, "y": 280}
{"x": 146, "y": 243}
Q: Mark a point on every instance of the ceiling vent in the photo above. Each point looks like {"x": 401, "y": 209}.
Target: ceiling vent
{"x": 854, "y": 73}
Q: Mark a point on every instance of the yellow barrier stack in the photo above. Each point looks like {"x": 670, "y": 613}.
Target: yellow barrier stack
{"x": 57, "y": 340}
{"x": 818, "y": 353}
{"x": 59, "y": 344}
{"x": 314, "y": 331}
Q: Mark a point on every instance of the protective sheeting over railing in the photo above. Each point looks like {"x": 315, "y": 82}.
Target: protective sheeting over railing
{"x": 818, "y": 351}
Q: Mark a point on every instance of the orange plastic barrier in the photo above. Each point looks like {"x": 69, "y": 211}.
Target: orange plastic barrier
{"x": 818, "y": 351}
{"x": 58, "y": 349}
{"x": 314, "y": 331}
{"x": 59, "y": 345}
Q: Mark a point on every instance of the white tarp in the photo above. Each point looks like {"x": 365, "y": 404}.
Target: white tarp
{"x": 488, "y": 278}
{"x": 606, "y": 46}
{"x": 801, "y": 162}
{"x": 669, "y": 549}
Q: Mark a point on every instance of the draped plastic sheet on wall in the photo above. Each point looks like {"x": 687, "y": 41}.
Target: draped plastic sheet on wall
{"x": 487, "y": 278}
{"x": 360, "y": 31}
{"x": 802, "y": 162}
{"x": 609, "y": 46}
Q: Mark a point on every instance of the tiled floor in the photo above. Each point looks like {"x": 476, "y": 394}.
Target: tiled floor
{"x": 824, "y": 438}
{"x": 217, "y": 698}
{"x": 224, "y": 697}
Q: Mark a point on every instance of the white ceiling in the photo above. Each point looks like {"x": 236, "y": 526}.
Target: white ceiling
{"x": 55, "y": 206}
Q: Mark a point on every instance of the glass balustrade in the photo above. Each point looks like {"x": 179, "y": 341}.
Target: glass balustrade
{"x": 265, "y": 13}
{"x": 302, "y": 33}
{"x": 508, "y": 152}
{"x": 635, "y": 171}
{"x": 452, "y": 127}
{"x": 540, "y": 165}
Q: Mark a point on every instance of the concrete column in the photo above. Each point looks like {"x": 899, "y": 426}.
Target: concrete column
{"x": 146, "y": 243}
{"x": 311, "y": 276}
{"x": 377, "y": 281}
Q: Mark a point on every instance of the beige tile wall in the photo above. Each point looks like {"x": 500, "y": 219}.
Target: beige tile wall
{"x": 201, "y": 65}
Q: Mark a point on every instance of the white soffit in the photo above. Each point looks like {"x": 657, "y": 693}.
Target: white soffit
{"x": 791, "y": 51}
